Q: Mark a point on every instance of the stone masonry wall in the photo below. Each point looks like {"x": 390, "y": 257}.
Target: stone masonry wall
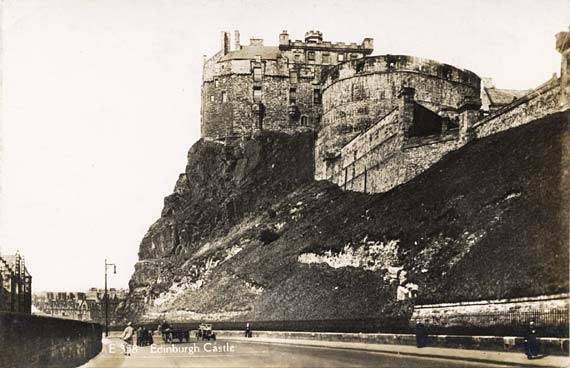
{"x": 235, "y": 117}
{"x": 356, "y": 93}
{"x": 31, "y": 341}
{"x": 470, "y": 313}
{"x": 381, "y": 157}
{"x": 539, "y": 102}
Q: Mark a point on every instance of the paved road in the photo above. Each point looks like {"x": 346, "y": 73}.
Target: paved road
{"x": 251, "y": 354}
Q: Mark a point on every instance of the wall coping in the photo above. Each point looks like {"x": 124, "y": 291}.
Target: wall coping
{"x": 545, "y": 87}
{"x": 373, "y": 125}
{"x": 327, "y": 82}
{"x": 561, "y": 296}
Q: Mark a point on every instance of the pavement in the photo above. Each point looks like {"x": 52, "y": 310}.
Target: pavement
{"x": 274, "y": 352}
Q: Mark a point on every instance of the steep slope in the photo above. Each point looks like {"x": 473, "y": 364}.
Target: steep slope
{"x": 488, "y": 221}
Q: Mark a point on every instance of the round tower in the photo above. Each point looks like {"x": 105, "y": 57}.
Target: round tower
{"x": 358, "y": 93}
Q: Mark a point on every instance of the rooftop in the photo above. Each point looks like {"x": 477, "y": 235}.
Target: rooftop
{"x": 250, "y": 52}
{"x": 504, "y": 96}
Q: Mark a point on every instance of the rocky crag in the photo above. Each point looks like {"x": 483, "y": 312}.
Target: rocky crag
{"x": 248, "y": 235}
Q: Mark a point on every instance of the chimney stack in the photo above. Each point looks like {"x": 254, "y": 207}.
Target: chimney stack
{"x": 225, "y": 42}
{"x": 236, "y": 40}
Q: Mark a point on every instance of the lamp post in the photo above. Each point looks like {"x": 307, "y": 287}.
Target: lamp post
{"x": 106, "y": 296}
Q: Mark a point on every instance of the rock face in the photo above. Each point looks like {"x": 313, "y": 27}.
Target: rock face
{"x": 247, "y": 234}
{"x": 224, "y": 185}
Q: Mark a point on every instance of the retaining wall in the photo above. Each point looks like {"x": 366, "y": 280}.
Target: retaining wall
{"x": 32, "y": 341}
{"x": 551, "y": 346}
{"x": 540, "y": 102}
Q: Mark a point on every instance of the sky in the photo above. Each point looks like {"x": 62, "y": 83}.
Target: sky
{"x": 100, "y": 101}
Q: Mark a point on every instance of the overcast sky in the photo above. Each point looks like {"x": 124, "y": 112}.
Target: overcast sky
{"x": 101, "y": 101}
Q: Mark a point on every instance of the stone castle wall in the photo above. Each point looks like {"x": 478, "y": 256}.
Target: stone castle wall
{"x": 235, "y": 116}
{"x": 356, "y": 93}
{"x": 288, "y": 84}
{"x": 383, "y": 156}
{"x": 542, "y": 101}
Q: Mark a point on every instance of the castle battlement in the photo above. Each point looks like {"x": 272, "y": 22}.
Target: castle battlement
{"x": 400, "y": 63}
{"x": 314, "y": 41}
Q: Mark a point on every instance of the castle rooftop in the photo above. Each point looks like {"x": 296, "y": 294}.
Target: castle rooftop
{"x": 251, "y": 52}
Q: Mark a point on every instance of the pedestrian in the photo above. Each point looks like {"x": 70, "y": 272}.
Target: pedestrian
{"x": 140, "y": 335}
{"x": 531, "y": 341}
{"x": 127, "y": 337}
{"x": 421, "y": 335}
{"x": 248, "y": 330}
{"x": 150, "y": 340}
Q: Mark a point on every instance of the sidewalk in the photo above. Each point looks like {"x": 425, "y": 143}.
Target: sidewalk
{"x": 518, "y": 358}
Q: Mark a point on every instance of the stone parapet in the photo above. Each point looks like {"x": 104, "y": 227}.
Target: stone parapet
{"x": 32, "y": 341}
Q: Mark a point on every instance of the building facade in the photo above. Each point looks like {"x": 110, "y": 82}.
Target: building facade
{"x": 269, "y": 87}
{"x": 15, "y": 284}
{"x": 82, "y": 306}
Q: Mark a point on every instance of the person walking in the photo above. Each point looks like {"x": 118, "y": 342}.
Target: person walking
{"x": 531, "y": 341}
{"x": 247, "y": 330}
{"x": 127, "y": 337}
{"x": 421, "y": 335}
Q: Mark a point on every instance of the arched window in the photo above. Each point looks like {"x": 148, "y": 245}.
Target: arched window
{"x": 304, "y": 120}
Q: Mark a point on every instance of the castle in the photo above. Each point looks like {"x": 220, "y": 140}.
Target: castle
{"x": 379, "y": 120}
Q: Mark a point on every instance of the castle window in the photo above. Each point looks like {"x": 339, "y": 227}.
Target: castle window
{"x": 212, "y": 98}
{"x": 311, "y": 56}
{"x": 257, "y": 74}
{"x": 293, "y": 77}
{"x": 304, "y": 120}
{"x": 317, "y": 96}
{"x": 340, "y": 57}
{"x": 224, "y": 96}
{"x": 216, "y": 83}
{"x": 256, "y": 94}
{"x": 360, "y": 66}
{"x": 292, "y": 95}
{"x": 326, "y": 58}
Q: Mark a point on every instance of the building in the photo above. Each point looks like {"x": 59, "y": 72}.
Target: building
{"x": 83, "y": 306}
{"x": 379, "y": 120}
{"x": 494, "y": 99}
{"x": 269, "y": 87}
{"x": 16, "y": 284}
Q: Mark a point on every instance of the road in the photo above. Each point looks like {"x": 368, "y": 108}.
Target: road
{"x": 228, "y": 353}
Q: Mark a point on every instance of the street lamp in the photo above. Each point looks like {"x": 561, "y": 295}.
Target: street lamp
{"x": 106, "y": 296}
